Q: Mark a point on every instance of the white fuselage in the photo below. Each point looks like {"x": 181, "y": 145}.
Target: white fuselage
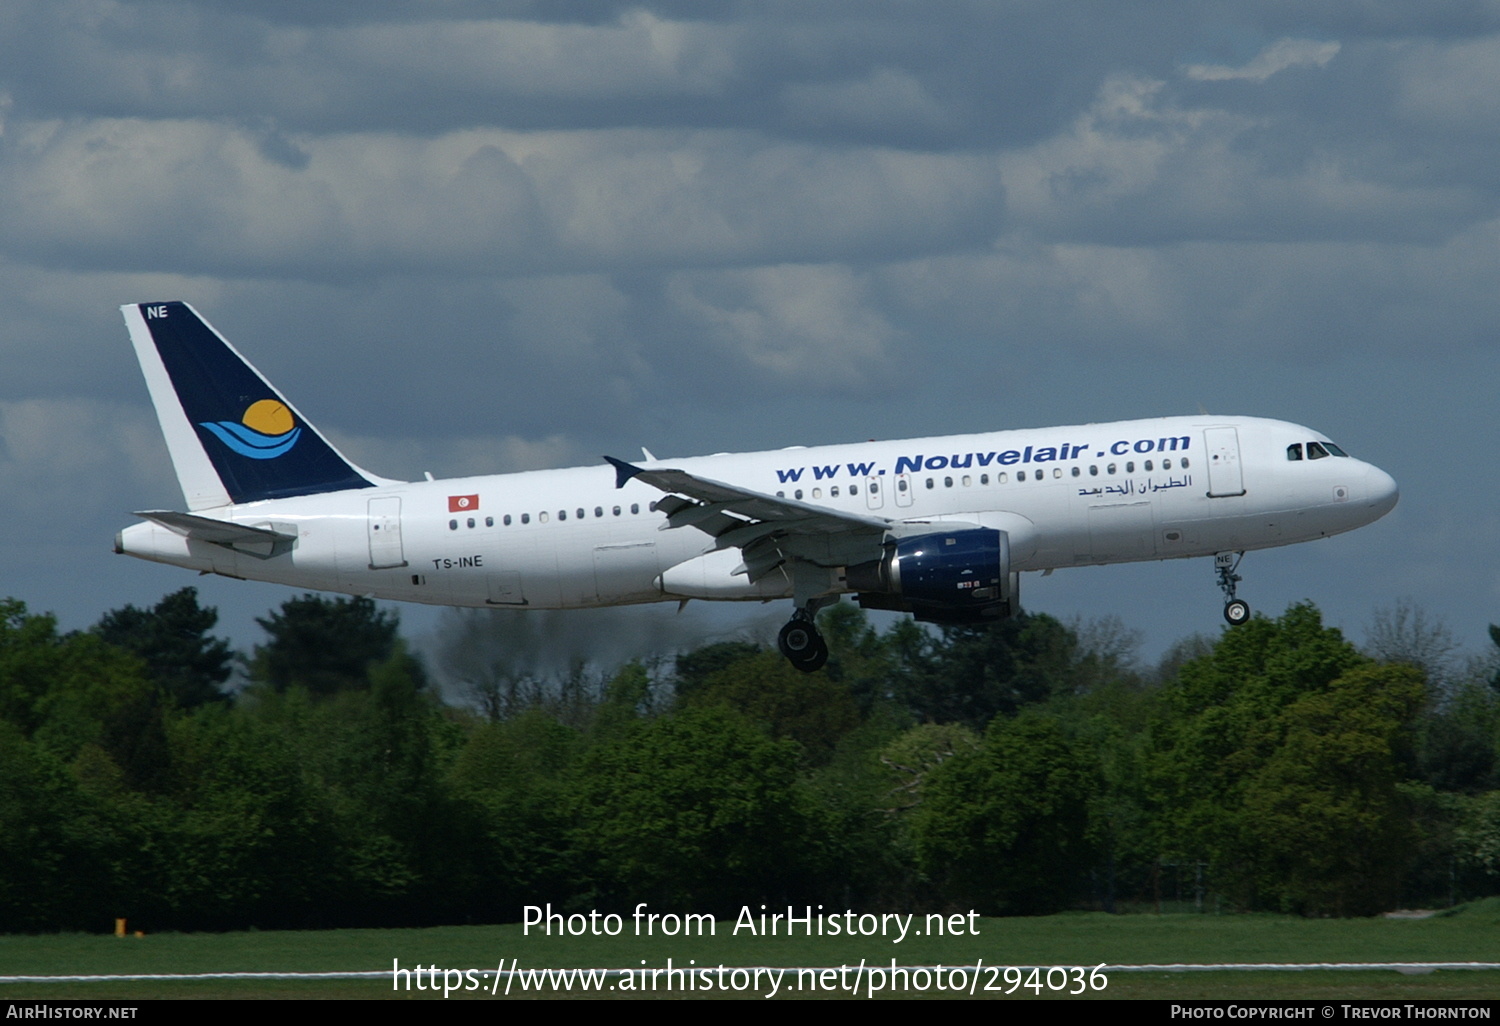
{"x": 1099, "y": 493}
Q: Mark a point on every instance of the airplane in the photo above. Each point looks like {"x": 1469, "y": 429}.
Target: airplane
{"x": 938, "y": 527}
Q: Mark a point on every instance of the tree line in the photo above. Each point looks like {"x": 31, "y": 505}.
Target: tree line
{"x": 1020, "y": 768}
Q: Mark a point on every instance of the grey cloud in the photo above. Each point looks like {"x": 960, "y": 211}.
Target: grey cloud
{"x": 63, "y": 460}
{"x": 1138, "y": 168}
{"x": 810, "y": 328}
{"x": 1283, "y": 54}
{"x": 176, "y": 195}
{"x": 1456, "y": 85}
{"x": 886, "y": 99}
{"x": 639, "y": 56}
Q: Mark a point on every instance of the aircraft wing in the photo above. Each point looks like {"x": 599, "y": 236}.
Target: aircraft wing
{"x": 768, "y": 529}
{"x": 254, "y": 541}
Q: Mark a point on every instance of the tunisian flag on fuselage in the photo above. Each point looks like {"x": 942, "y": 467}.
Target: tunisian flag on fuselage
{"x": 463, "y": 503}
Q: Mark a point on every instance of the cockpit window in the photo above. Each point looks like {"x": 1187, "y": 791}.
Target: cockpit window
{"x": 1335, "y": 450}
{"x": 1315, "y": 451}
{"x": 1294, "y": 451}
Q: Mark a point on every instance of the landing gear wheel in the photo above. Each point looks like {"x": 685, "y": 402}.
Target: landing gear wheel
{"x": 1236, "y": 611}
{"x": 802, "y": 645}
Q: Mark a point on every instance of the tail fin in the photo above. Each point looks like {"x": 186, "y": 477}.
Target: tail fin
{"x": 233, "y": 438}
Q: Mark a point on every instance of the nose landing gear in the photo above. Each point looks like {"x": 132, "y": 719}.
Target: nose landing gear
{"x": 1236, "y": 611}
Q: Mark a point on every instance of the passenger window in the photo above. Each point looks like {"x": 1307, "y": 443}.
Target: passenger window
{"x": 817, "y": 493}
{"x": 1002, "y": 478}
{"x": 1166, "y": 464}
{"x": 617, "y": 511}
{"x": 1294, "y": 452}
{"x": 541, "y": 517}
{"x": 562, "y": 514}
{"x": 635, "y": 507}
{"x": 1094, "y": 471}
{"x": 929, "y": 482}
{"x": 984, "y": 479}
{"x": 781, "y": 495}
{"x": 798, "y": 493}
{"x": 901, "y": 485}
{"x": 833, "y": 493}
{"x": 471, "y": 521}
{"x": 525, "y": 518}
{"x": 489, "y": 521}
{"x": 506, "y": 521}
{"x": 1316, "y": 451}
{"x": 947, "y": 482}
{"x": 1056, "y": 473}
{"x": 1184, "y": 463}
{"x": 651, "y": 507}
{"x": 453, "y": 525}
{"x": 598, "y": 511}
{"x": 580, "y": 514}
{"x": 1130, "y": 467}
{"x": 1020, "y": 475}
{"x": 1076, "y": 471}
{"x": 968, "y": 480}
{"x": 1148, "y": 466}
{"x": 1110, "y": 469}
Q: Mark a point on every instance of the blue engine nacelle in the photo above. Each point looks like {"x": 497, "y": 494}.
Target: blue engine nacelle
{"x": 944, "y": 577}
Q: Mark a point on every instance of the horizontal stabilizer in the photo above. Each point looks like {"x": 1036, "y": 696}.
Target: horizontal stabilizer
{"x": 261, "y": 542}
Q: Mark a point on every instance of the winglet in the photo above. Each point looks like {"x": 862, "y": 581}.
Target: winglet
{"x": 623, "y": 471}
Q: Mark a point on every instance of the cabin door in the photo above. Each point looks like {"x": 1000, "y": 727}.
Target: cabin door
{"x": 385, "y": 533}
{"x": 1224, "y": 475}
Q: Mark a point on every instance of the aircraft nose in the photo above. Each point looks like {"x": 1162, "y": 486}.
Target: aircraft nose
{"x": 1381, "y": 491}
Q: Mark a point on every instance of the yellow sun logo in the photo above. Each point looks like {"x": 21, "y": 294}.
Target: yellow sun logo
{"x": 269, "y": 417}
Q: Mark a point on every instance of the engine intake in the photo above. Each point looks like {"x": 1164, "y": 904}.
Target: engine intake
{"x": 944, "y": 577}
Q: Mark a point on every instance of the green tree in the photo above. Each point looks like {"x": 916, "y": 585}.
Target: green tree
{"x": 1495, "y": 657}
{"x": 62, "y": 850}
{"x": 694, "y": 668}
{"x": 1457, "y": 740}
{"x": 67, "y": 690}
{"x": 1004, "y": 827}
{"x": 378, "y": 757}
{"x": 971, "y": 674}
{"x": 1478, "y": 841}
{"x": 244, "y": 838}
{"x": 325, "y": 645}
{"x": 172, "y": 638}
{"x": 1322, "y": 814}
{"x": 1275, "y": 759}
{"x": 514, "y": 776}
{"x": 808, "y": 708}
{"x": 696, "y": 811}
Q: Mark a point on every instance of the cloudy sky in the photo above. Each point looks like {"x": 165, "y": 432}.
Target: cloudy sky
{"x": 475, "y": 237}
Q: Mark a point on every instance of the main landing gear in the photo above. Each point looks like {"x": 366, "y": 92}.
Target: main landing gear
{"x": 1236, "y": 611}
{"x": 801, "y": 643}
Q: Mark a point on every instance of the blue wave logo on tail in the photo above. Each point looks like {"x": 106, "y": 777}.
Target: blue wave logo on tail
{"x": 267, "y": 430}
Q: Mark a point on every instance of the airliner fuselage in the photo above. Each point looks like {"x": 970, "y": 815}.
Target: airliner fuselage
{"x": 938, "y": 526}
{"x": 554, "y": 539}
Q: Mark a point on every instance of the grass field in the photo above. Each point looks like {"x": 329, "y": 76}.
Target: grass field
{"x": 1469, "y": 934}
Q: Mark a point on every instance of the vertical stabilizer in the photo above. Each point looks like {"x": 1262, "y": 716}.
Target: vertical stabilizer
{"x": 232, "y": 437}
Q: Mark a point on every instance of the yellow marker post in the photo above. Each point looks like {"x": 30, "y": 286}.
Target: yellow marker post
{"x": 119, "y": 927}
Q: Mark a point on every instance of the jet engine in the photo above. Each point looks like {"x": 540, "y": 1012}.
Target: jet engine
{"x": 944, "y": 577}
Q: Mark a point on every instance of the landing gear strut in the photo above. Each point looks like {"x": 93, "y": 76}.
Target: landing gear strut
{"x": 1236, "y": 611}
{"x": 801, "y": 643}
